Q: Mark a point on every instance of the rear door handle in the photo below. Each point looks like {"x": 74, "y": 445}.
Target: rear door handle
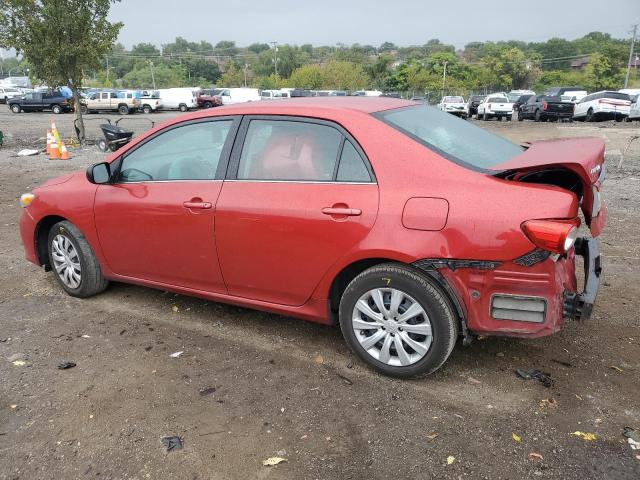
{"x": 349, "y": 212}
{"x": 200, "y": 205}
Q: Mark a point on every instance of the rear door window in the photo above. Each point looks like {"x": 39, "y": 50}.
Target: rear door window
{"x": 289, "y": 150}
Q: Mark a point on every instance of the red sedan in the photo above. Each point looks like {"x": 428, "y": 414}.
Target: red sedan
{"x": 406, "y": 225}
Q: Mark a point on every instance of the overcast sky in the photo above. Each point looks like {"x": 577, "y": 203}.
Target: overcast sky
{"x": 403, "y": 22}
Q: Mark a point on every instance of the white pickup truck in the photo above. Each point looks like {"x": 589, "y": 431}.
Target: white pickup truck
{"x": 454, "y": 105}
{"x": 495, "y": 106}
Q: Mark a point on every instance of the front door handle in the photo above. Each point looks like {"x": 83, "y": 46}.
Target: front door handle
{"x": 349, "y": 212}
{"x": 199, "y": 205}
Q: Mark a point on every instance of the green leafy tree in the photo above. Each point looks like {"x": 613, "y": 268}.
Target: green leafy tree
{"x": 307, "y": 76}
{"x": 165, "y": 76}
{"x": 233, "y": 76}
{"x": 602, "y": 73}
{"x": 60, "y": 39}
{"x": 344, "y": 76}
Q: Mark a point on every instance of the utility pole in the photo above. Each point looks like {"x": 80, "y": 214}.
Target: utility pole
{"x": 633, "y": 43}
{"x": 444, "y": 76}
{"x": 107, "y": 57}
{"x": 275, "y": 56}
{"x": 246, "y": 65}
{"x": 153, "y": 77}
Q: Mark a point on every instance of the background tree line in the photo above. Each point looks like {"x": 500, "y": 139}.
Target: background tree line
{"x": 478, "y": 66}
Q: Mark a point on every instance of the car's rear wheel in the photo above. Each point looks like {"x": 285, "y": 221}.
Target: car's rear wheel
{"x": 123, "y": 110}
{"x": 15, "y": 108}
{"x": 537, "y": 116}
{"x": 589, "y": 117}
{"x": 183, "y": 107}
{"x": 207, "y": 105}
{"x": 73, "y": 262}
{"x": 520, "y": 116}
{"x": 147, "y": 109}
{"x": 398, "y": 321}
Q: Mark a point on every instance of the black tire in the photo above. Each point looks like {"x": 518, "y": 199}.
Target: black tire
{"x": 56, "y": 109}
{"x": 102, "y": 145}
{"x": 207, "y": 105}
{"x": 520, "y": 116}
{"x": 537, "y": 116}
{"x": 589, "y": 117}
{"x": 15, "y": 108}
{"x": 436, "y": 304}
{"x": 183, "y": 107}
{"x": 485, "y": 117}
{"x": 147, "y": 109}
{"x": 123, "y": 110}
{"x": 91, "y": 280}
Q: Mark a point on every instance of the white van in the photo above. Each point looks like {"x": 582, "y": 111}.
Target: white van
{"x": 237, "y": 95}
{"x": 182, "y": 99}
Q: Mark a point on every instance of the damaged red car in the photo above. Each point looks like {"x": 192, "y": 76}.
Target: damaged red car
{"x": 407, "y": 226}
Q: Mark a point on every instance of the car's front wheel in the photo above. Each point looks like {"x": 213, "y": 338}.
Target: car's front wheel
{"x": 398, "y": 321}
{"x": 73, "y": 262}
{"x": 15, "y": 108}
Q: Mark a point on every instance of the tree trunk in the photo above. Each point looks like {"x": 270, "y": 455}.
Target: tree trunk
{"x": 79, "y": 122}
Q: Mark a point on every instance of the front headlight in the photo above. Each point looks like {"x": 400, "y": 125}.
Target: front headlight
{"x": 26, "y": 199}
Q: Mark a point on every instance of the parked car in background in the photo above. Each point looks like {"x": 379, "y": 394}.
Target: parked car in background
{"x": 573, "y": 96}
{"x": 182, "y": 99}
{"x": 209, "y": 99}
{"x": 110, "y": 101}
{"x": 521, "y": 100}
{"x": 274, "y": 94}
{"x": 367, "y": 93}
{"x": 318, "y": 217}
{"x": 514, "y": 95}
{"x": 453, "y": 104}
{"x": 472, "y": 105}
{"x": 544, "y": 107}
{"x": 331, "y": 93}
{"x": 495, "y": 107}
{"x": 559, "y": 91}
{"x": 150, "y": 101}
{"x": 38, "y": 102}
{"x": 604, "y": 105}
{"x": 7, "y": 93}
{"x": 229, "y": 96}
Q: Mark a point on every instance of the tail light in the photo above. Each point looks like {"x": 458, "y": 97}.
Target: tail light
{"x": 545, "y": 105}
{"x": 556, "y": 236}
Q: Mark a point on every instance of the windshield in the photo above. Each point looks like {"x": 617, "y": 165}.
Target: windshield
{"x": 451, "y": 137}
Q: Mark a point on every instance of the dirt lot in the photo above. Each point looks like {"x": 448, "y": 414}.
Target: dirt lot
{"x": 251, "y": 385}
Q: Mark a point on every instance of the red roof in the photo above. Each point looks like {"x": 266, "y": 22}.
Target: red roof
{"x": 361, "y": 104}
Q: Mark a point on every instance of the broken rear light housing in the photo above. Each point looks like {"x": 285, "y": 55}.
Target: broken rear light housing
{"x": 556, "y": 236}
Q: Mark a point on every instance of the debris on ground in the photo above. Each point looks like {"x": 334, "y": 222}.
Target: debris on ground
{"x": 535, "y": 456}
{"x": 450, "y": 459}
{"x": 617, "y": 369}
{"x": 172, "y": 443}
{"x": 633, "y": 437}
{"x": 542, "y": 377}
{"x": 516, "y": 438}
{"x": 562, "y": 362}
{"x": 174, "y": 308}
{"x": 318, "y": 359}
{"x": 432, "y": 435}
{"x": 28, "y": 152}
{"x": 473, "y": 380}
{"x": 548, "y": 403}
{"x": 176, "y": 354}
{"x": 588, "y": 437}
{"x": 346, "y": 380}
{"x": 271, "y": 461}
{"x": 66, "y": 365}
{"x": 206, "y": 391}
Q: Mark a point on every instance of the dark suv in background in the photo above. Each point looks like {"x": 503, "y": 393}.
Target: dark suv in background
{"x": 38, "y": 102}
{"x": 474, "y": 101}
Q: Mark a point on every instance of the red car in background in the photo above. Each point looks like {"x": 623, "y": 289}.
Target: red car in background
{"x": 406, "y": 225}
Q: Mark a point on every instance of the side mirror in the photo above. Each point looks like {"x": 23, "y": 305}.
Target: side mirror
{"x": 99, "y": 173}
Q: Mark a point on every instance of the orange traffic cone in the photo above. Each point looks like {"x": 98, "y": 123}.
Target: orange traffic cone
{"x": 48, "y": 142}
{"x": 64, "y": 153}
{"x": 54, "y": 154}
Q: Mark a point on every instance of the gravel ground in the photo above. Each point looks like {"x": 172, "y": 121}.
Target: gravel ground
{"x": 252, "y": 385}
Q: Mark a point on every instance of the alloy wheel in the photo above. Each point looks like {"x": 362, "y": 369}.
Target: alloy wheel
{"x": 66, "y": 261}
{"x": 392, "y": 326}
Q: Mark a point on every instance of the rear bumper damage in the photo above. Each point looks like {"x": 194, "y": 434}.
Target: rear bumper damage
{"x": 528, "y": 297}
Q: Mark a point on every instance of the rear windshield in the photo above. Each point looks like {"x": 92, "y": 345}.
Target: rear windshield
{"x": 616, "y": 96}
{"x": 498, "y": 100}
{"x": 454, "y": 100}
{"x": 451, "y": 137}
